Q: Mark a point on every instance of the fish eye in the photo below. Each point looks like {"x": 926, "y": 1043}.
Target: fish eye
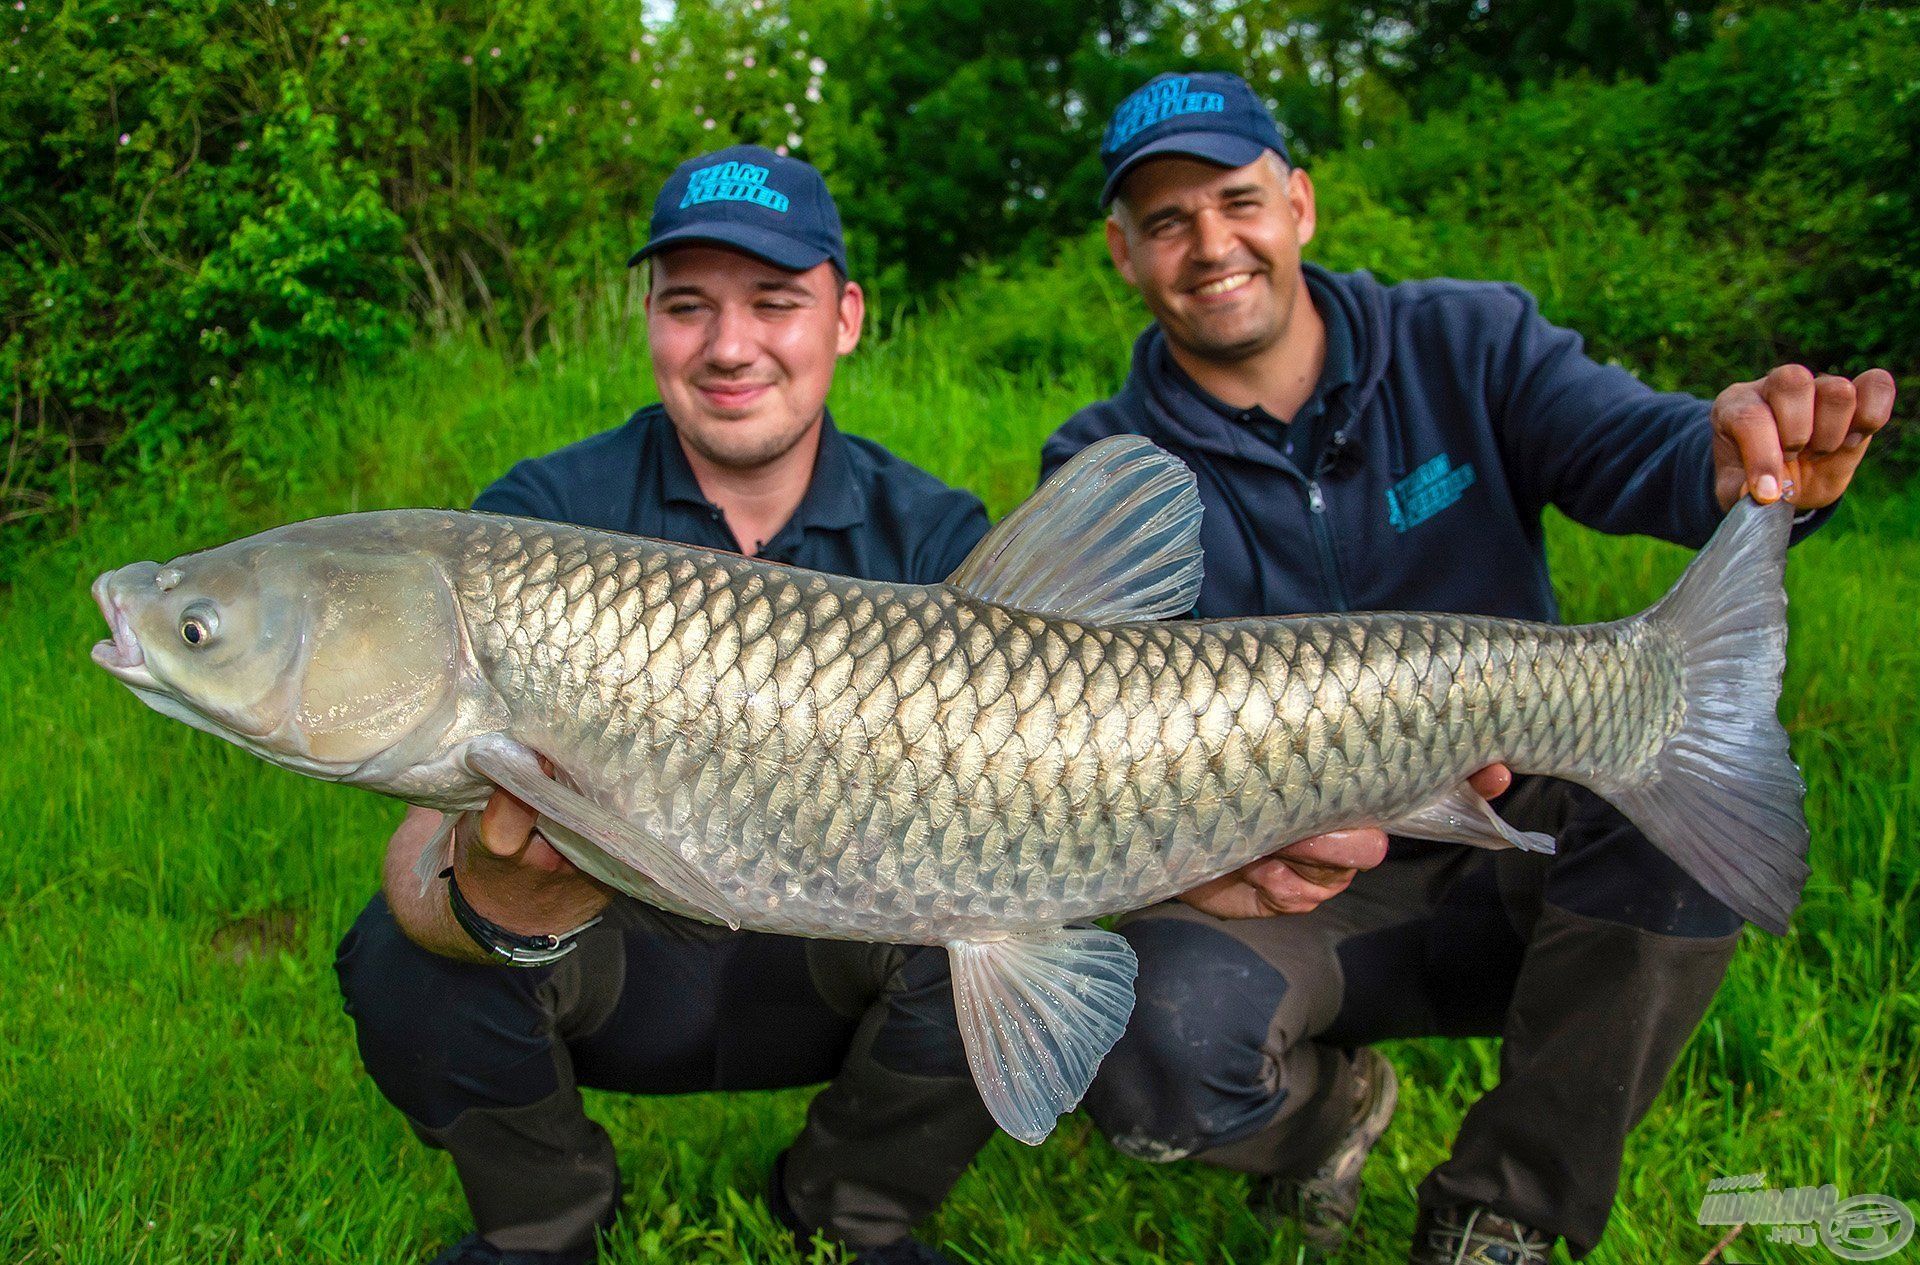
{"x": 197, "y": 626}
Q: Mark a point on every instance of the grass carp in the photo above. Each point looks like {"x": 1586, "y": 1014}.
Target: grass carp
{"x": 983, "y": 764}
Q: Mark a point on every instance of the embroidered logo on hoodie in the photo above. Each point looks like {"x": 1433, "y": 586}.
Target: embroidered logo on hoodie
{"x": 1432, "y": 487}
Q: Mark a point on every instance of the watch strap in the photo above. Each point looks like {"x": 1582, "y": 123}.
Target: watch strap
{"x": 507, "y": 946}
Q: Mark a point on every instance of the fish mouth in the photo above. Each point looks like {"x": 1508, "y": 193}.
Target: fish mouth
{"x": 120, "y": 654}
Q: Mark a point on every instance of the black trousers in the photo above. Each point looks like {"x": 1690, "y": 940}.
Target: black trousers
{"x": 486, "y": 1062}
{"x": 1594, "y": 965}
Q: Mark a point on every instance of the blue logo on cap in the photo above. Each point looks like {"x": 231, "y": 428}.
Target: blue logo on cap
{"x": 1156, "y": 103}
{"x": 733, "y": 182}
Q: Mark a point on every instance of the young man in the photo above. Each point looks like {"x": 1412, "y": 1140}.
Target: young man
{"x": 1358, "y": 447}
{"x": 748, "y": 311}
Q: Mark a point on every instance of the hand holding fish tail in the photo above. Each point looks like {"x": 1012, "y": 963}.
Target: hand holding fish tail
{"x": 1795, "y": 435}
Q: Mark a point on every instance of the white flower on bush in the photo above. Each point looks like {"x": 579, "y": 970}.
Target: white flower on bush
{"x": 793, "y": 139}
{"x": 817, "y": 66}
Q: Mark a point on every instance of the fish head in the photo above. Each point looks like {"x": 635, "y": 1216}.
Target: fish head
{"x": 318, "y": 655}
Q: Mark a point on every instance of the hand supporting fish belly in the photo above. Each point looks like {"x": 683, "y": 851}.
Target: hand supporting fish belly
{"x": 981, "y": 764}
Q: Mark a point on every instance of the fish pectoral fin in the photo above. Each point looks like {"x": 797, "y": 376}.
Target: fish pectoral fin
{"x": 1463, "y": 815}
{"x": 1037, "y": 1014}
{"x": 438, "y": 854}
{"x": 1113, "y": 537}
{"x": 516, "y": 770}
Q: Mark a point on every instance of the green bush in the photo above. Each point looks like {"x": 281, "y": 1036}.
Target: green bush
{"x": 196, "y": 197}
{"x": 199, "y": 194}
{"x": 1756, "y": 204}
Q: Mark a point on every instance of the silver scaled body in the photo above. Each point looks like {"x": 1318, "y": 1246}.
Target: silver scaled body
{"x": 906, "y": 763}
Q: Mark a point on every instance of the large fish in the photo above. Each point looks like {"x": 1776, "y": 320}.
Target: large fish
{"x": 982, "y": 764}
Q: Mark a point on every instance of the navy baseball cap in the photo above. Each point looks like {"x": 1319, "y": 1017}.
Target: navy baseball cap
{"x": 772, "y": 207}
{"x": 1207, "y": 115}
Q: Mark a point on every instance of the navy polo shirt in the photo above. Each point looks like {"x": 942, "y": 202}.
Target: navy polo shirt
{"x": 866, "y": 513}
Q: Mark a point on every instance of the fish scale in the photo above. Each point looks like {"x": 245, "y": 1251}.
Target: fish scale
{"x": 902, "y": 763}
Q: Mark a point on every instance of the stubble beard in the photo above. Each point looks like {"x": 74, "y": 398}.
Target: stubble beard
{"x": 753, "y": 454}
{"x": 1231, "y": 351}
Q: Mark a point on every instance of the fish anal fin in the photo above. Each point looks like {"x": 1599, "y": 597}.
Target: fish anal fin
{"x": 516, "y": 769}
{"x": 1463, "y": 815}
{"x": 1037, "y": 1014}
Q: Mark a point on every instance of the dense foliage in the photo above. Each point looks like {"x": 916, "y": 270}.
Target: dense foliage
{"x": 197, "y": 197}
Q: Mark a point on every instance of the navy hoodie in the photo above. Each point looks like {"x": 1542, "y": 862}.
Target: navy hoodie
{"x": 1422, "y": 481}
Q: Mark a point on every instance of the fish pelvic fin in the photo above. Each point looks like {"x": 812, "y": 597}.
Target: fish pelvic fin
{"x": 1113, "y": 537}
{"x": 1037, "y": 1014}
{"x": 1725, "y": 799}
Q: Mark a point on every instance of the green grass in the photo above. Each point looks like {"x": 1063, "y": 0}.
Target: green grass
{"x": 181, "y": 1086}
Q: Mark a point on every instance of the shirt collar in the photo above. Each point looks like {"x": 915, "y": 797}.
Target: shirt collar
{"x": 832, "y": 501}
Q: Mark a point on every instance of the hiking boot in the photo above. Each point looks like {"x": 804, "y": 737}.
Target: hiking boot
{"x": 475, "y": 1250}
{"x": 907, "y": 1251}
{"x": 1474, "y": 1236}
{"x": 1323, "y": 1204}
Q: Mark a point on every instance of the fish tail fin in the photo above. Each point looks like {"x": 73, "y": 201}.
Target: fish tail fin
{"x": 1724, "y": 798}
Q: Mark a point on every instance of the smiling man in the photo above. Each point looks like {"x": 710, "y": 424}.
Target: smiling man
{"x": 748, "y": 310}
{"x": 1369, "y": 447}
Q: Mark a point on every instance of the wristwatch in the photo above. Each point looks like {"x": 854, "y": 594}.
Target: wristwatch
{"x": 506, "y": 946}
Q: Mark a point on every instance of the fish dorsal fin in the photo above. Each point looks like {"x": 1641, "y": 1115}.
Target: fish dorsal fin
{"x": 1112, "y": 537}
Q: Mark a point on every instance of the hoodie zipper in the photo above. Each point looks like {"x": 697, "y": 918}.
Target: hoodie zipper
{"x": 1323, "y": 537}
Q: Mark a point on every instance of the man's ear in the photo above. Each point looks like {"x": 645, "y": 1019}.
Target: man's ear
{"x": 1300, "y": 195}
{"x": 852, "y": 318}
{"x": 1119, "y": 252}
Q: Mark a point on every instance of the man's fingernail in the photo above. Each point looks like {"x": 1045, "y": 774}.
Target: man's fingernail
{"x": 1853, "y": 440}
{"x": 1766, "y": 488}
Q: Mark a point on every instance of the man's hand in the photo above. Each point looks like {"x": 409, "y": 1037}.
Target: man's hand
{"x": 1298, "y": 877}
{"x": 507, "y": 872}
{"x": 512, "y": 876}
{"x": 1795, "y": 435}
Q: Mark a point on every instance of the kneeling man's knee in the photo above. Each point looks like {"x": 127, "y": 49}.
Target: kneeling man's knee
{"x": 1192, "y": 1071}
{"x": 439, "y": 1036}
